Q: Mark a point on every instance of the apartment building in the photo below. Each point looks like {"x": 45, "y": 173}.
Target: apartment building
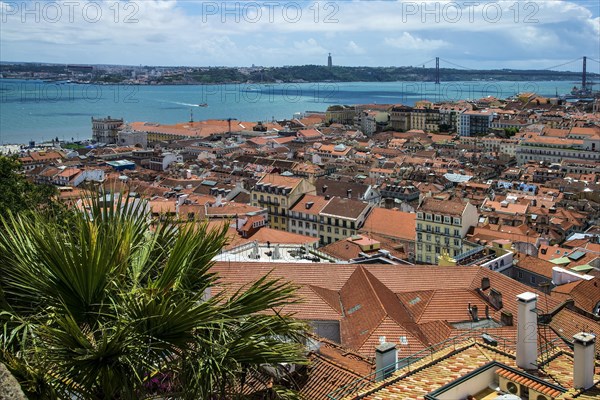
{"x": 554, "y": 149}
{"x": 442, "y": 226}
{"x": 475, "y": 123}
{"x": 400, "y": 117}
{"x": 426, "y": 119}
{"x": 328, "y": 218}
{"x": 276, "y": 194}
{"x": 493, "y": 144}
{"x": 340, "y": 114}
{"x": 106, "y": 130}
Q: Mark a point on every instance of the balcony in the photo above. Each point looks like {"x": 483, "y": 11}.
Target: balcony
{"x": 274, "y": 202}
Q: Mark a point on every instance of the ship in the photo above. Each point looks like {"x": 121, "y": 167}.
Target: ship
{"x": 582, "y": 93}
{"x": 203, "y": 105}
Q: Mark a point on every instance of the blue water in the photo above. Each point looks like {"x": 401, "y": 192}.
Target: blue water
{"x": 34, "y": 110}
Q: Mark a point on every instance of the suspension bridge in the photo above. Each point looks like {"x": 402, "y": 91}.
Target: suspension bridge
{"x": 584, "y": 91}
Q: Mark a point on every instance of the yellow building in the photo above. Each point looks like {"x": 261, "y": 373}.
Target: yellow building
{"x": 442, "y": 226}
{"x": 277, "y": 193}
{"x": 328, "y": 218}
{"x": 340, "y": 114}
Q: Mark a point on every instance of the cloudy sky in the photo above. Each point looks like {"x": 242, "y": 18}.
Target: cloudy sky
{"x": 475, "y": 34}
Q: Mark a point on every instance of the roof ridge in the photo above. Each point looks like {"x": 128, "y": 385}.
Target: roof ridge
{"x": 336, "y": 364}
{"x": 426, "y": 305}
{"x": 411, "y": 326}
{"x": 312, "y": 287}
{"x": 363, "y": 270}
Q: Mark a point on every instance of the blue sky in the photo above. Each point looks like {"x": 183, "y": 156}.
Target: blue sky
{"x": 488, "y": 34}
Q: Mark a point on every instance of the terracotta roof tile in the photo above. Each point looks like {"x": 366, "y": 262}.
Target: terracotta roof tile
{"x": 391, "y": 223}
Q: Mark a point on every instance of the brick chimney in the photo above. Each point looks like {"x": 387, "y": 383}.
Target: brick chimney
{"x": 583, "y": 371}
{"x": 527, "y": 331}
{"x": 386, "y": 358}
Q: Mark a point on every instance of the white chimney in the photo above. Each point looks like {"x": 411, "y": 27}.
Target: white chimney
{"x": 583, "y": 372}
{"x": 527, "y": 331}
{"x": 386, "y": 358}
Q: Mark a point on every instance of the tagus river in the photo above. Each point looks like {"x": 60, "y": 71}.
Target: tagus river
{"x": 36, "y": 110}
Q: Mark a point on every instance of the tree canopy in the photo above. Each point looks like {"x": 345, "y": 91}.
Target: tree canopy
{"x": 117, "y": 307}
{"x": 17, "y": 194}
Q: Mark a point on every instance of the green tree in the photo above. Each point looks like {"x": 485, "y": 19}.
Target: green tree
{"x": 119, "y": 308}
{"x": 17, "y": 194}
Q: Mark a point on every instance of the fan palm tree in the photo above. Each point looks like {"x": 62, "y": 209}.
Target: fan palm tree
{"x": 118, "y": 307}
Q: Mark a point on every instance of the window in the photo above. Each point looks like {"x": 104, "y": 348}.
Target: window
{"x": 456, "y": 232}
{"x": 293, "y": 223}
{"x": 255, "y": 196}
{"x": 276, "y": 219}
{"x": 532, "y": 279}
{"x": 437, "y": 229}
{"x": 428, "y": 217}
{"x": 428, "y": 237}
{"x": 419, "y": 236}
{"x": 437, "y": 218}
{"x": 447, "y": 231}
{"x": 428, "y": 247}
{"x": 456, "y": 221}
{"x": 420, "y": 246}
{"x": 345, "y": 232}
{"x": 520, "y": 274}
{"x": 437, "y": 250}
{"x": 419, "y": 226}
{"x": 419, "y": 215}
{"x": 329, "y": 229}
{"x": 447, "y": 220}
{"x": 428, "y": 258}
{"x": 337, "y": 231}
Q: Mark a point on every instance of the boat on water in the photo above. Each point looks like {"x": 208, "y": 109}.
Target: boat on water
{"x": 583, "y": 93}
{"x": 203, "y": 105}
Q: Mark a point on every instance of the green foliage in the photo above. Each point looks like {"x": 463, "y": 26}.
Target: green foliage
{"x": 17, "y": 194}
{"x": 117, "y": 308}
{"x": 510, "y": 132}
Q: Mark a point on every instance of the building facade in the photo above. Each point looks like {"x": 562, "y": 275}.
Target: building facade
{"x": 276, "y": 194}
{"x": 442, "y": 227}
{"x": 106, "y": 130}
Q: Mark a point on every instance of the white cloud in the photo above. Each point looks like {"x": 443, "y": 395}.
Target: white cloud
{"x": 176, "y": 32}
{"x": 409, "y": 42}
{"x": 353, "y": 48}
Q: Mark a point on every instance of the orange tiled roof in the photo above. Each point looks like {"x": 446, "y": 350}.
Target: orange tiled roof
{"x": 391, "y": 223}
{"x": 523, "y": 380}
{"x": 443, "y": 207}
{"x": 279, "y": 180}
